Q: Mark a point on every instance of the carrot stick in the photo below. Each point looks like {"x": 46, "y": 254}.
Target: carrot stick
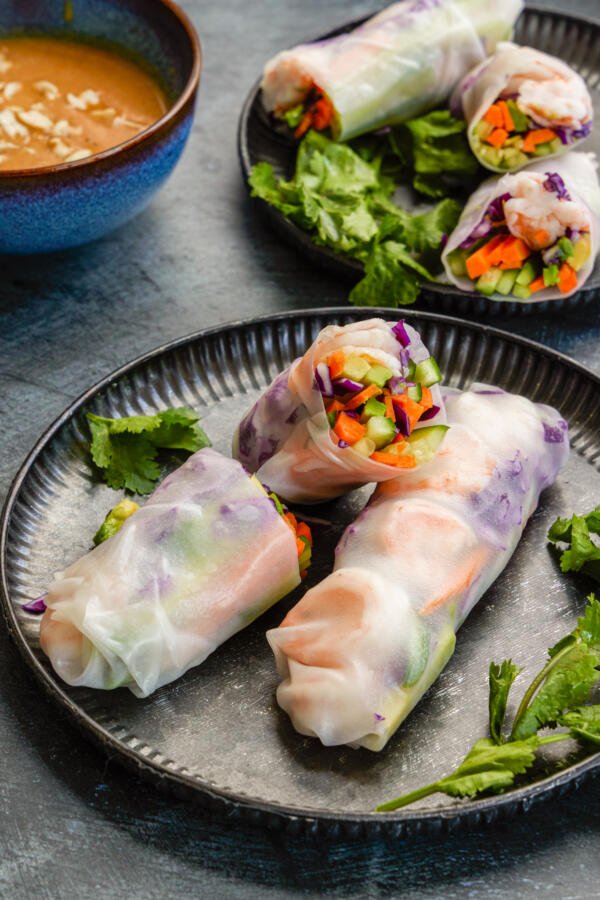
{"x": 349, "y": 429}
{"x": 392, "y": 459}
{"x": 334, "y": 406}
{"x": 497, "y": 137}
{"x": 537, "y": 285}
{"x": 371, "y": 391}
{"x": 507, "y": 119}
{"x": 537, "y": 136}
{"x": 336, "y": 363}
{"x": 494, "y": 116}
{"x": 567, "y": 278}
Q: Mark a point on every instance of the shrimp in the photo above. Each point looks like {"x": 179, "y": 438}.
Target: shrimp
{"x": 555, "y": 103}
{"x": 538, "y": 216}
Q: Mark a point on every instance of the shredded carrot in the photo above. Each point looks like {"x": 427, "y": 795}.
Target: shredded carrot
{"x": 426, "y": 400}
{"x": 494, "y": 116}
{"x": 537, "y": 136}
{"x": 334, "y": 406}
{"x": 389, "y": 406}
{"x": 304, "y": 531}
{"x": 322, "y": 114}
{"x": 567, "y": 278}
{"x": 497, "y": 137}
{"x": 336, "y": 363}
{"x": 304, "y": 125}
{"x": 290, "y": 518}
{"x": 507, "y": 119}
{"x": 478, "y": 262}
{"x": 349, "y": 429}
{"x": 300, "y": 546}
{"x": 392, "y": 459}
{"x": 537, "y": 285}
{"x": 371, "y": 391}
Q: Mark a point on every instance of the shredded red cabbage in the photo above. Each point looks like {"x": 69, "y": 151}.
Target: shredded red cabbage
{"x": 400, "y": 333}
{"x": 323, "y": 379}
{"x": 404, "y": 357}
{"x": 430, "y": 413}
{"x": 556, "y": 185}
{"x": 493, "y": 213}
{"x": 347, "y": 386}
{"x": 343, "y": 444}
{"x": 397, "y": 385}
{"x": 37, "y": 607}
{"x": 402, "y": 420}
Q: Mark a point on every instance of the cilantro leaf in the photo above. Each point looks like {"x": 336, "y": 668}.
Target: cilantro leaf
{"x": 567, "y": 678}
{"x": 486, "y": 767}
{"x": 501, "y": 678}
{"x": 583, "y": 555}
{"x": 125, "y": 449}
{"x": 584, "y": 723}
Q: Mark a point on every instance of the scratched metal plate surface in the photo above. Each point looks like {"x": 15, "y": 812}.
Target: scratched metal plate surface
{"x": 216, "y": 735}
{"x": 574, "y": 39}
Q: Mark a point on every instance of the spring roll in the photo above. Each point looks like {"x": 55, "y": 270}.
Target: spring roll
{"x": 402, "y": 62}
{"x": 360, "y": 406}
{"x": 207, "y": 553}
{"x": 529, "y": 236}
{"x": 363, "y": 646}
{"x": 522, "y": 104}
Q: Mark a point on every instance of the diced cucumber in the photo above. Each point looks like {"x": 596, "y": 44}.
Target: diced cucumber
{"x": 355, "y": 368}
{"x": 515, "y": 141}
{"x": 513, "y": 158}
{"x": 486, "y": 283}
{"x": 373, "y": 407}
{"x": 483, "y": 129}
{"x": 424, "y": 442}
{"x": 507, "y": 280}
{"x": 565, "y": 247}
{"x": 457, "y": 263}
{"x": 550, "y": 275}
{"x": 380, "y": 430}
{"x": 490, "y": 155}
{"x": 544, "y": 149}
{"x": 427, "y": 372}
{"x": 365, "y": 446}
{"x": 527, "y": 274}
{"x": 520, "y": 120}
{"x": 415, "y": 392}
{"x": 377, "y": 375}
{"x": 521, "y": 291}
{"x": 418, "y": 657}
{"x": 581, "y": 252}
{"x": 331, "y": 417}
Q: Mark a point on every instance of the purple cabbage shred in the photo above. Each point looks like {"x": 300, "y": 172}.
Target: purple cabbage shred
{"x": 556, "y": 185}
{"x": 37, "y": 606}
{"x": 430, "y": 413}
{"x": 400, "y": 333}
{"x": 346, "y": 386}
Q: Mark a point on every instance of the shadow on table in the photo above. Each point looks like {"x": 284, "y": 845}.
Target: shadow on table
{"x": 166, "y": 838}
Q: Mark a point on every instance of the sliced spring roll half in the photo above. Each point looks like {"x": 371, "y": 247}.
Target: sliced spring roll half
{"x": 207, "y": 553}
{"x": 402, "y": 62}
{"x": 362, "y": 647}
{"x": 529, "y": 236}
{"x": 521, "y": 105}
{"x": 349, "y": 412}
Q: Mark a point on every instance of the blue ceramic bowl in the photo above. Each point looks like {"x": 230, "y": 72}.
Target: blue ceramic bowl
{"x": 61, "y": 206}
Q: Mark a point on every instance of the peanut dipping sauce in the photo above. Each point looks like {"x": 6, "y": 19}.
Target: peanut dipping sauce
{"x": 61, "y": 101}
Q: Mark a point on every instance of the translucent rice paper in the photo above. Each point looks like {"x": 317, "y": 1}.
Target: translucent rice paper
{"x": 580, "y": 175}
{"x": 402, "y": 62}
{"x": 362, "y": 647}
{"x": 553, "y": 94}
{"x": 285, "y": 437}
{"x": 205, "y": 555}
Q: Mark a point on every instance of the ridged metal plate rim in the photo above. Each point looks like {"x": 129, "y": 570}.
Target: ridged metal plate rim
{"x": 140, "y": 758}
{"x": 436, "y": 297}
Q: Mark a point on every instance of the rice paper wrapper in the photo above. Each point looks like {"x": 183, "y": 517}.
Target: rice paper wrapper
{"x": 580, "y": 175}
{"x": 397, "y": 65}
{"x": 205, "y": 555}
{"x": 362, "y": 647}
{"x": 285, "y": 437}
{"x": 546, "y": 82}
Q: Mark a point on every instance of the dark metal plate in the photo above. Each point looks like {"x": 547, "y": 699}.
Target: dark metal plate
{"x": 217, "y": 734}
{"x": 575, "y": 40}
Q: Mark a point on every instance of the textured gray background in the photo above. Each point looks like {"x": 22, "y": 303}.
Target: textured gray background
{"x": 73, "y": 823}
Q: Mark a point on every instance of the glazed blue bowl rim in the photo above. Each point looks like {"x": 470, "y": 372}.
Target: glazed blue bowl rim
{"x": 171, "y": 114}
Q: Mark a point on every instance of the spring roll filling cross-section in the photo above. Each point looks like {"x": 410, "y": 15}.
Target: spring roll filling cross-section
{"x": 363, "y": 646}
{"x": 207, "y": 554}
{"x": 362, "y": 405}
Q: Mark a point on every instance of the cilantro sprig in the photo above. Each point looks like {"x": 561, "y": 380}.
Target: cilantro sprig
{"x": 126, "y": 449}
{"x": 581, "y": 554}
{"x": 343, "y": 196}
{"x": 559, "y": 695}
